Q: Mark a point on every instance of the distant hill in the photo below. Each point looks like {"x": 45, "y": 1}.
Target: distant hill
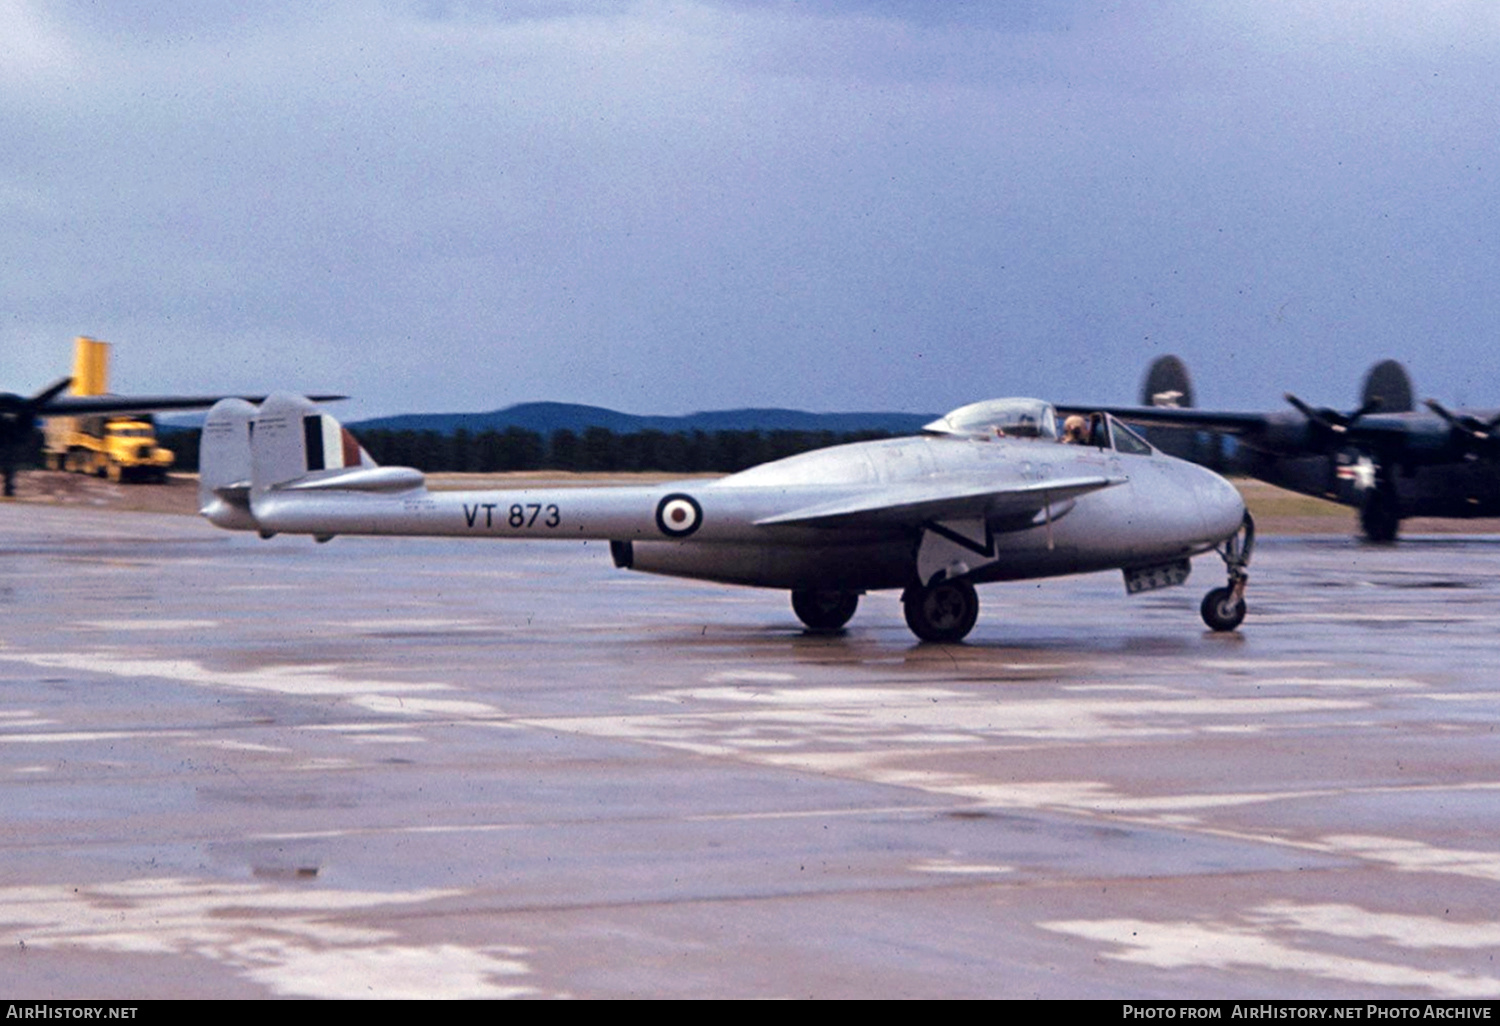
{"x": 546, "y": 418}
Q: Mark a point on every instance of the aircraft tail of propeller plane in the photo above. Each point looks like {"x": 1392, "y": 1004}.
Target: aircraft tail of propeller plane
{"x": 990, "y": 493}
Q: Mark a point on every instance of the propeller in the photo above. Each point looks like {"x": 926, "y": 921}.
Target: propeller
{"x": 18, "y": 414}
{"x": 1331, "y": 420}
{"x": 1478, "y": 436}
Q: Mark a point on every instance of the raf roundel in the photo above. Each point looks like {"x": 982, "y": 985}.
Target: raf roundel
{"x": 678, "y": 515}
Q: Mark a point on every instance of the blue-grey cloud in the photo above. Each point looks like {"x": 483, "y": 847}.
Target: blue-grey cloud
{"x": 832, "y": 205}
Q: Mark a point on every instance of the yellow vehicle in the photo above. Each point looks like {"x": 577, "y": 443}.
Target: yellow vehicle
{"x": 121, "y": 447}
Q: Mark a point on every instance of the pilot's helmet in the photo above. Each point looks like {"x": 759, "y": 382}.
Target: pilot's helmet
{"x": 1075, "y": 428}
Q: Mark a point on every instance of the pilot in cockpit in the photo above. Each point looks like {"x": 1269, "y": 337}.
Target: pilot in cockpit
{"x": 1075, "y": 430}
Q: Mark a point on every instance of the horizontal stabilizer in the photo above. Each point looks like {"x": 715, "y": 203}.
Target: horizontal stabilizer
{"x": 237, "y": 494}
{"x": 915, "y": 503}
{"x": 361, "y": 479}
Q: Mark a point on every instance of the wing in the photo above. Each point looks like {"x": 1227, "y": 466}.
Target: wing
{"x": 1225, "y": 421}
{"x": 85, "y": 405}
{"x": 1303, "y": 430}
{"x": 923, "y": 501}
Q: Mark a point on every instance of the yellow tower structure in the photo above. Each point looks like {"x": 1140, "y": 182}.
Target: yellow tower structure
{"x": 90, "y": 366}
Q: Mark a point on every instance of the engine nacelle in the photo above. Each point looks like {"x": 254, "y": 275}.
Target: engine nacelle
{"x": 867, "y": 567}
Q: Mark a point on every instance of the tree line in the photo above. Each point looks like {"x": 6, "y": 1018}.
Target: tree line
{"x": 595, "y": 450}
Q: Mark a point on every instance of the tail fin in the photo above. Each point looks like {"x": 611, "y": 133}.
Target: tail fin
{"x": 1167, "y": 383}
{"x": 294, "y": 439}
{"x": 295, "y": 446}
{"x": 287, "y": 445}
{"x": 224, "y": 466}
{"x": 1387, "y": 388}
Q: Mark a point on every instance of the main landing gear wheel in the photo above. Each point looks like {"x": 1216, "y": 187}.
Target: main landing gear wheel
{"x": 1223, "y": 609}
{"x": 824, "y": 610}
{"x": 945, "y": 611}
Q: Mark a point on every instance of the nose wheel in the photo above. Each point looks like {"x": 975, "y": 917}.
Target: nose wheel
{"x": 1223, "y": 609}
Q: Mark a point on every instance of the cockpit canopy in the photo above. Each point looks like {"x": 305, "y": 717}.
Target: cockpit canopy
{"x": 1034, "y": 418}
{"x": 1009, "y": 418}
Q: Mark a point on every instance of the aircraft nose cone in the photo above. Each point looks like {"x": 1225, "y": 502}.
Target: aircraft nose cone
{"x": 1220, "y": 503}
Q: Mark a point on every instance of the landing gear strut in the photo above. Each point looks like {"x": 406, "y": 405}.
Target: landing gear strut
{"x": 1223, "y": 609}
{"x": 1380, "y": 513}
{"x": 944, "y": 611}
{"x": 824, "y": 610}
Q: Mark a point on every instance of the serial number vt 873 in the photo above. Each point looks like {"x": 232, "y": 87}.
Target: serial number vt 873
{"x": 516, "y": 516}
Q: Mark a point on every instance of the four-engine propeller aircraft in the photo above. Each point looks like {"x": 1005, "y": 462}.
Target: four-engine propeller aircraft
{"x": 1383, "y": 458}
{"x": 989, "y": 493}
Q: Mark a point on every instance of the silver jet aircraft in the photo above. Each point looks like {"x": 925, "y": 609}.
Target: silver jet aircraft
{"x": 989, "y": 493}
